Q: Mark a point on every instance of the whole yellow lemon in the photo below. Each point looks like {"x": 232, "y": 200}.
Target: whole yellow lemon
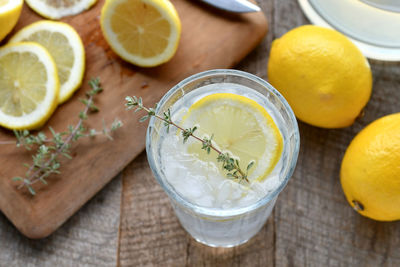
{"x": 323, "y": 76}
{"x": 10, "y": 10}
{"x": 370, "y": 172}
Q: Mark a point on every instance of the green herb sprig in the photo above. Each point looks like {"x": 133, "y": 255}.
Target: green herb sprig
{"x": 46, "y": 160}
{"x": 229, "y": 163}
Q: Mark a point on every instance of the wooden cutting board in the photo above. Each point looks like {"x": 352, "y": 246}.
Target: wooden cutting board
{"x": 210, "y": 39}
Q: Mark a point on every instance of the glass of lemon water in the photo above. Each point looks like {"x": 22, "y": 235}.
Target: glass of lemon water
{"x": 246, "y": 118}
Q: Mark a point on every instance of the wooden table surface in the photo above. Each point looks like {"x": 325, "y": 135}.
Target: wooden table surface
{"x": 130, "y": 222}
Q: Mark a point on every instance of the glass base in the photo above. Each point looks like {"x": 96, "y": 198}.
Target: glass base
{"x": 375, "y": 31}
{"x": 224, "y": 245}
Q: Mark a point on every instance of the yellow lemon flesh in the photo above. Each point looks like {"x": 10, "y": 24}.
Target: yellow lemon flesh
{"x": 28, "y": 86}
{"x": 143, "y": 32}
{"x": 65, "y": 46}
{"x": 239, "y": 126}
{"x": 323, "y": 76}
{"x": 370, "y": 172}
{"x": 56, "y": 9}
{"x": 10, "y": 10}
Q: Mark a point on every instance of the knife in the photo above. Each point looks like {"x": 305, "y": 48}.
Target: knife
{"x": 237, "y": 6}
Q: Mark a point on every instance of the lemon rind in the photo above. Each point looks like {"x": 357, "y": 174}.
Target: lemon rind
{"x": 58, "y": 13}
{"x": 11, "y": 6}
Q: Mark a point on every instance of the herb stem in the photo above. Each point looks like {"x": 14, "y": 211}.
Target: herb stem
{"x": 228, "y": 162}
{"x": 8, "y": 142}
{"x": 42, "y": 168}
{"x": 182, "y": 129}
{"x": 46, "y": 158}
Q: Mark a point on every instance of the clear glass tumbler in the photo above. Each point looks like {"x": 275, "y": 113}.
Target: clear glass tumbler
{"x": 219, "y": 227}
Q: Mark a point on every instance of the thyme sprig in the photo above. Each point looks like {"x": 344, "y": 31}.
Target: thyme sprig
{"x": 229, "y": 163}
{"x": 46, "y": 160}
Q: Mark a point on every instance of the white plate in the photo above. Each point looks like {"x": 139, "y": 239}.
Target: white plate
{"x": 374, "y": 30}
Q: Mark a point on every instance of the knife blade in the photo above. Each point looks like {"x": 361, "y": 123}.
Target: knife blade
{"x": 237, "y": 6}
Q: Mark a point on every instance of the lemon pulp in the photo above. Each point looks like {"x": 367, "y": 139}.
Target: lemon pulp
{"x": 241, "y": 127}
{"x": 65, "y": 46}
{"x": 143, "y": 32}
{"x": 28, "y": 86}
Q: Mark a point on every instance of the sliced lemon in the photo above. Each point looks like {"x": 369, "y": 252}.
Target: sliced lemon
{"x": 143, "y": 32}
{"x": 65, "y": 46}
{"x": 10, "y": 10}
{"x": 28, "y": 86}
{"x": 240, "y": 126}
{"x": 56, "y": 9}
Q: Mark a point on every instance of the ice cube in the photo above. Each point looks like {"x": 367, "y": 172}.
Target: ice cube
{"x": 224, "y": 192}
{"x": 205, "y": 201}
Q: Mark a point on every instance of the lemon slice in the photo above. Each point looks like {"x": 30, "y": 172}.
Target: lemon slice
{"x": 28, "y": 86}
{"x": 240, "y": 126}
{"x": 10, "y": 10}
{"x": 66, "y": 48}
{"x": 56, "y": 9}
{"x": 143, "y": 32}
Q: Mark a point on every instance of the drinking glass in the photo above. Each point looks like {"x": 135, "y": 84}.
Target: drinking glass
{"x": 220, "y": 227}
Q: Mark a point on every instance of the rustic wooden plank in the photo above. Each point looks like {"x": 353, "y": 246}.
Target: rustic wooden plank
{"x": 89, "y": 238}
{"x": 314, "y": 224}
{"x": 208, "y": 36}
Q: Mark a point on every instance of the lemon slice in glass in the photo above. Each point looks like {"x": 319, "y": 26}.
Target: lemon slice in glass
{"x": 66, "y": 48}
{"x": 143, "y": 32}
{"x": 56, "y": 9}
{"x": 241, "y": 127}
{"x": 10, "y": 10}
{"x": 28, "y": 86}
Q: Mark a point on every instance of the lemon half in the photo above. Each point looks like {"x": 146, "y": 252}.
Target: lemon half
{"x": 143, "y": 32}
{"x": 28, "y": 86}
{"x": 10, "y": 10}
{"x": 241, "y": 127}
{"x": 66, "y": 48}
{"x": 56, "y": 9}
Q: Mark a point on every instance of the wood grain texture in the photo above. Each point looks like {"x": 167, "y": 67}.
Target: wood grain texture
{"x": 209, "y": 40}
{"x": 89, "y": 238}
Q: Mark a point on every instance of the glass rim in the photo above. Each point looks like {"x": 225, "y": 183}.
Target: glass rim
{"x": 220, "y": 212}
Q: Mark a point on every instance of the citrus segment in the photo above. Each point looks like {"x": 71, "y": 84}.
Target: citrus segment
{"x": 143, "y": 32}
{"x": 28, "y": 86}
{"x": 241, "y": 127}
{"x": 56, "y": 9}
{"x": 65, "y": 46}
